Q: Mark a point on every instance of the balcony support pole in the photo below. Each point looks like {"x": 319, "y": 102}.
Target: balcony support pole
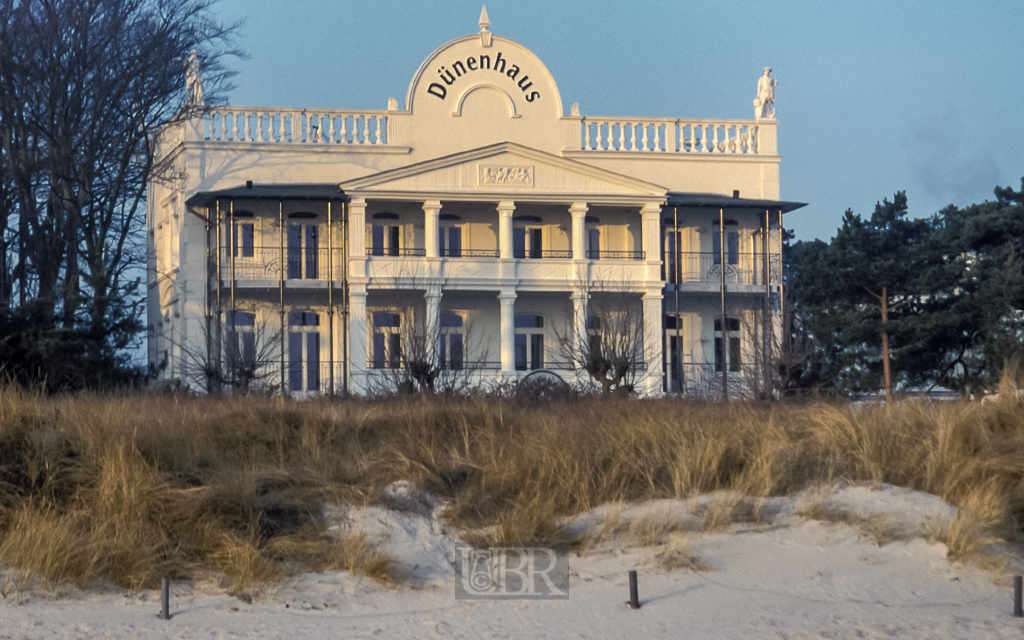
{"x": 767, "y": 309}
{"x": 330, "y": 301}
{"x": 217, "y": 335}
{"x": 207, "y": 306}
{"x": 344, "y": 297}
{"x": 721, "y": 291}
{"x": 679, "y": 316}
{"x": 280, "y": 286}
{"x": 232, "y": 241}
{"x": 784, "y": 334}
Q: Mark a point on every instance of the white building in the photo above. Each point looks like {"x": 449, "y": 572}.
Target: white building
{"x": 476, "y": 235}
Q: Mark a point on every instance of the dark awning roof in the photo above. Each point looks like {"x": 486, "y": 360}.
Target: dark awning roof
{"x": 718, "y": 201}
{"x": 317, "y": 191}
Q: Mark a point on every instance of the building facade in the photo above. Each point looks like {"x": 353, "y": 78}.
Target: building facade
{"x": 477, "y": 236}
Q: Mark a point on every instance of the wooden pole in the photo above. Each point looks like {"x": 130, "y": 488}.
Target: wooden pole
{"x": 634, "y": 595}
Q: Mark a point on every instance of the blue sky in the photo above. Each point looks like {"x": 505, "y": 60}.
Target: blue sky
{"x": 874, "y": 97}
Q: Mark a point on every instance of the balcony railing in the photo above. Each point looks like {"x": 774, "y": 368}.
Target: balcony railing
{"x": 465, "y": 365}
{"x": 741, "y": 268}
{"x": 615, "y": 255}
{"x": 470, "y": 253}
{"x": 395, "y": 252}
{"x": 293, "y": 126}
{"x": 524, "y": 254}
{"x": 670, "y": 135}
{"x": 264, "y": 263}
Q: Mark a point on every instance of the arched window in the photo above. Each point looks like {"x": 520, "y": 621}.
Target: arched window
{"x": 529, "y": 342}
{"x": 732, "y": 326}
{"x": 451, "y": 350}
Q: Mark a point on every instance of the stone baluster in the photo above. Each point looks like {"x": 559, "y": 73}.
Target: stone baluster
{"x": 645, "y": 140}
{"x": 344, "y": 129}
{"x": 598, "y": 143}
{"x": 379, "y": 135}
{"x": 622, "y": 137}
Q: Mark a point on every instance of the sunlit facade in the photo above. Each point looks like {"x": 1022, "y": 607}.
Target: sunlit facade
{"x": 484, "y": 230}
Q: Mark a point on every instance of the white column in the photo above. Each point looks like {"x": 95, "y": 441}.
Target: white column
{"x": 357, "y": 337}
{"x": 579, "y": 318}
{"x": 432, "y": 324}
{"x": 578, "y": 211}
{"x": 357, "y": 238}
{"x": 505, "y": 210}
{"x": 431, "y": 209}
{"x": 507, "y": 300}
{"x": 652, "y": 341}
{"x": 651, "y": 239}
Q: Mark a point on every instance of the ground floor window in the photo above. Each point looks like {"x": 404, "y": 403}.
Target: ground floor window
{"x": 303, "y": 351}
{"x": 387, "y": 340}
{"x": 241, "y": 347}
{"x": 451, "y": 349}
{"x": 529, "y": 342}
{"x": 732, "y": 333}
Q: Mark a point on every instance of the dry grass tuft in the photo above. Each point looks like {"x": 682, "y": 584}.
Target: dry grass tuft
{"x": 676, "y": 555}
{"x": 725, "y": 509}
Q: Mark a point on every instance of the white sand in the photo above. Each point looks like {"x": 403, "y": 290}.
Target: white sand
{"x": 786, "y": 577}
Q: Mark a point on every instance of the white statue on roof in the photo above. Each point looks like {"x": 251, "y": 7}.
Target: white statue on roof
{"x": 764, "y": 103}
{"x": 193, "y": 81}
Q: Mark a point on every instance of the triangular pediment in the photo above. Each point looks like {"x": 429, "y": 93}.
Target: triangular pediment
{"x": 504, "y": 169}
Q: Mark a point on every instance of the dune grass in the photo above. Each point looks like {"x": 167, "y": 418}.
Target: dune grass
{"x": 129, "y": 488}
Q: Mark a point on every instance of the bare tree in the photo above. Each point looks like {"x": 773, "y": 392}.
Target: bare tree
{"x": 250, "y": 353}
{"x": 84, "y": 87}
{"x": 610, "y": 348}
{"x": 415, "y": 353}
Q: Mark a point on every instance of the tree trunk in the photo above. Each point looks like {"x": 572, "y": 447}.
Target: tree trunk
{"x": 886, "y": 370}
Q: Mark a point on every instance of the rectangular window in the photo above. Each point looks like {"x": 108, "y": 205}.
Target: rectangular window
{"x": 243, "y": 240}
{"x": 594, "y": 244}
{"x": 303, "y": 251}
{"x": 734, "y": 354}
{"x": 386, "y": 240}
{"x": 672, "y": 275}
{"x": 732, "y": 242}
{"x": 450, "y": 241}
{"x": 303, "y": 351}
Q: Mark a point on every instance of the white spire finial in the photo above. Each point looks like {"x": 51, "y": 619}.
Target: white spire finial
{"x": 485, "y": 35}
